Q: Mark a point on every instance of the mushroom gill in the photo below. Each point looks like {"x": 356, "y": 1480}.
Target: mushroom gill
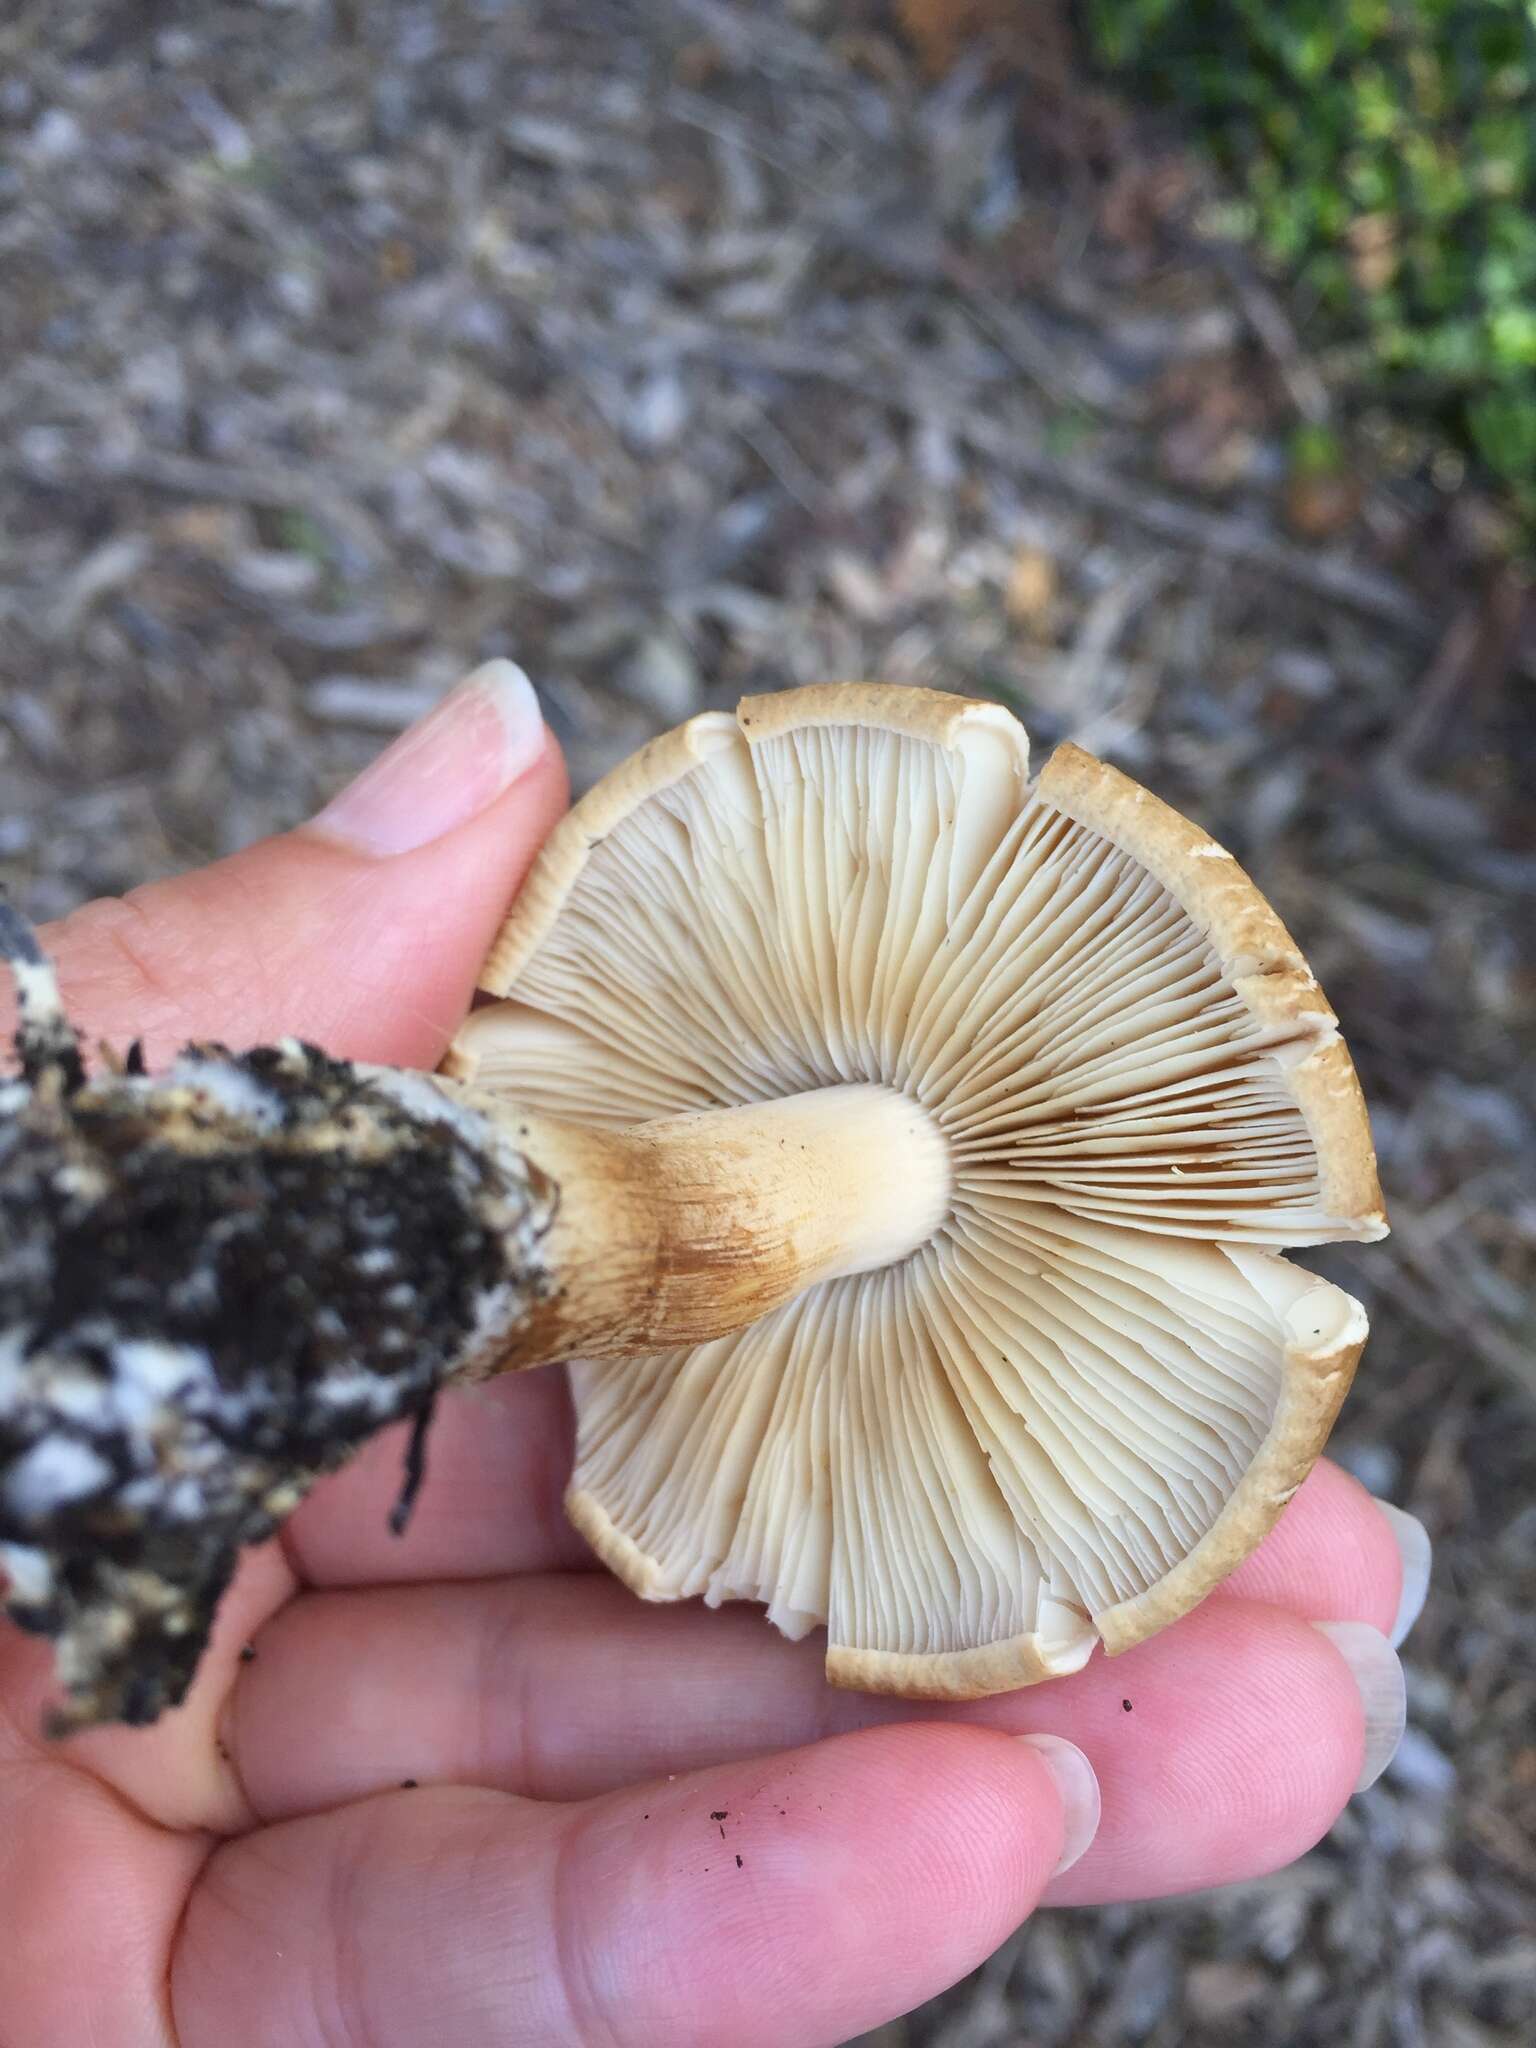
{"x": 1073, "y": 1408}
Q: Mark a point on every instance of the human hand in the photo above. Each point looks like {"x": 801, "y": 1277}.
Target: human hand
{"x": 462, "y": 1787}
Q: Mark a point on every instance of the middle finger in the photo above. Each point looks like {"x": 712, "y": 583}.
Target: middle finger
{"x": 1243, "y": 1734}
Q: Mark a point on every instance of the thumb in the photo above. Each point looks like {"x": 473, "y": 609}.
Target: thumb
{"x": 773, "y": 1903}
{"x": 362, "y": 930}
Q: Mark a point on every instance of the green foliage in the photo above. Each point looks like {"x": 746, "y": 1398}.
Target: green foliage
{"x": 1386, "y": 151}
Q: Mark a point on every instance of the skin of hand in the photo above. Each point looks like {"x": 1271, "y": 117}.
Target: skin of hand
{"x": 461, "y": 1786}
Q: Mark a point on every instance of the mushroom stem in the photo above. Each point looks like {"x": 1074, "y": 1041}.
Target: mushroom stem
{"x": 216, "y": 1282}
{"x": 688, "y": 1228}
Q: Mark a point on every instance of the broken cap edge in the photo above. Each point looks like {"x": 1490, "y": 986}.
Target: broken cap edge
{"x": 930, "y": 715}
{"x": 974, "y": 1674}
{"x": 934, "y": 716}
{"x": 971, "y": 1674}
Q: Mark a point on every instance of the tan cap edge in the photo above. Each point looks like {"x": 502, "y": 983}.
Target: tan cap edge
{"x": 1313, "y": 1387}
{"x": 955, "y": 1674}
{"x": 932, "y": 715}
{"x": 623, "y": 1557}
{"x": 1259, "y": 956}
{"x": 658, "y": 764}
{"x": 951, "y": 1675}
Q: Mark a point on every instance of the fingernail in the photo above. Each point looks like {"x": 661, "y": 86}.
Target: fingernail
{"x": 1079, "y": 1789}
{"x": 1416, "y": 1551}
{"x": 445, "y": 769}
{"x": 1378, "y": 1677}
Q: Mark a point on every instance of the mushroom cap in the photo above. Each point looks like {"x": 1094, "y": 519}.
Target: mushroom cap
{"x": 1080, "y": 1404}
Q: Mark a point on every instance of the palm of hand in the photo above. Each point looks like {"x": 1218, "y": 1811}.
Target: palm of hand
{"x": 462, "y": 1787}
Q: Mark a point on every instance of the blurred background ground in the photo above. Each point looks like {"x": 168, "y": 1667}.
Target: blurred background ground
{"x": 696, "y": 346}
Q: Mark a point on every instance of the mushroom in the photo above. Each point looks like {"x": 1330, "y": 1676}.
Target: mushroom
{"x": 900, "y": 1150}
{"x": 925, "y": 1141}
